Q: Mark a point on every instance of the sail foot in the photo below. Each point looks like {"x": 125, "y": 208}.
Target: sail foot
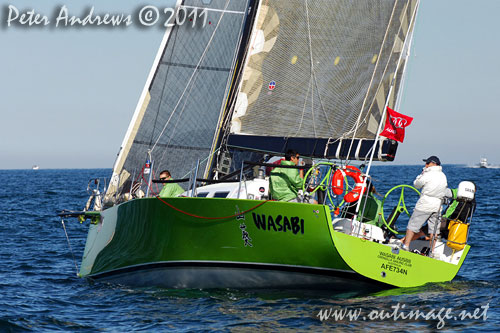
{"x": 342, "y": 149}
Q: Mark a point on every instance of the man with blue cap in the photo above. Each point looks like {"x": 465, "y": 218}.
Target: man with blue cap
{"x": 433, "y": 184}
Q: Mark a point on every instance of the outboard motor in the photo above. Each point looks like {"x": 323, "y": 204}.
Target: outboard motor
{"x": 466, "y": 191}
{"x": 461, "y": 216}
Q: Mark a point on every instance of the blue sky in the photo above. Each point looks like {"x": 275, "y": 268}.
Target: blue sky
{"x": 68, "y": 94}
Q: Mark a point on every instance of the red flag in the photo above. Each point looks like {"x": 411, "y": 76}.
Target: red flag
{"x": 395, "y": 124}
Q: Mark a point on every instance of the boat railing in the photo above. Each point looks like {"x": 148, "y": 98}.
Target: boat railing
{"x": 320, "y": 187}
{"x": 241, "y": 176}
{"x": 238, "y": 175}
{"x": 96, "y": 188}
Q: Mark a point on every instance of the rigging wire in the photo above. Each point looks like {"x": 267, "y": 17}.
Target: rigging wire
{"x": 304, "y": 108}
{"x": 69, "y": 244}
{"x": 209, "y": 217}
{"x": 390, "y": 91}
{"x": 407, "y": 50}
{"x": 357, "y": 125}
{"x": 192, "y": 76}
{"x": 385, "y": 71}
{"x": 310, "y": 86}
{"x": 224, "y": 111}
{"x": 379, "y": 130}
{"x": 201, "y": 162}
{"x": 163, "y": 88}
{"x": 171, "y": 136}
{"x": 189, "y": 93}
{"x": 204, "y": 217}
{"x": 321, "y": 102}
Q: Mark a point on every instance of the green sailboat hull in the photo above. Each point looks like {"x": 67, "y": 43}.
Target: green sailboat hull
{"x": 229, "y": 243}
{"x": 394, "y": 266}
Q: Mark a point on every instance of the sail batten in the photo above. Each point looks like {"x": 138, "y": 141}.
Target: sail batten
{"x": 208, "y": 68}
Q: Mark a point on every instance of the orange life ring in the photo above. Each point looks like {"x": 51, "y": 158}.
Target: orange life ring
{"x": 338, "y": 182}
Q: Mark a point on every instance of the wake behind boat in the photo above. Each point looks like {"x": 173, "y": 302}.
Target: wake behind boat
{"x": 321, "y": 78}
{"x": 484, "y": 164}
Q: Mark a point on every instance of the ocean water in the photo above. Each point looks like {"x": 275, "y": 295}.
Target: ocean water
{"x": 40, "y": 290}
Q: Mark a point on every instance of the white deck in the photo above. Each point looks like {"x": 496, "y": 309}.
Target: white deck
{"x": 255, "y": 189}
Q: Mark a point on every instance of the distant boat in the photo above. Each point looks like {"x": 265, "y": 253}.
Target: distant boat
{"x": 483, "y": 163}
{"x": 35, "y": 167}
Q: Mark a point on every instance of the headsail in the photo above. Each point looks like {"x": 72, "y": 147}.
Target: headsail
{"x": 318, "y": 74}
{"x": 176, "y": 119}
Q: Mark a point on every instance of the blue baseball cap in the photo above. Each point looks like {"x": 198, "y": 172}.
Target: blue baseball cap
{"x": 433, "y": 159}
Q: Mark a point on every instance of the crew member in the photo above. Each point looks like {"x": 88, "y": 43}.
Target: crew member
{"x": 433, "y": 184}
{"x": 169, "y": 189}
{"x": 284, "y": 184}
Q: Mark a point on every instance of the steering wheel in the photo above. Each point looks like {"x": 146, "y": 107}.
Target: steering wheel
{"x": 307, "y": 182}
{"x": 401, "y": 206}
{"x": 324, "y": 183}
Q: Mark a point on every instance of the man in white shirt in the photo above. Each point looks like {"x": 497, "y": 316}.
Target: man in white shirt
{"x": 433, "y": 184}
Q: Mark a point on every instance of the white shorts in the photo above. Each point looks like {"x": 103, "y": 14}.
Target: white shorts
{"x": 418, "y": 218}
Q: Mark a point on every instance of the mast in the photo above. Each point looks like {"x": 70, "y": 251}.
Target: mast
{"x": 233, "y": 87}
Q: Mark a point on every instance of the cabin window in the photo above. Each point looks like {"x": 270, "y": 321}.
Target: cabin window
{"x": 202, "y": 194}
{"x": 220, "y": 194}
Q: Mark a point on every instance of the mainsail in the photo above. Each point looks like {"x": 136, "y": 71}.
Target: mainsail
{"x": 318, "y": 75}
{"x": 175, "y": 122}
